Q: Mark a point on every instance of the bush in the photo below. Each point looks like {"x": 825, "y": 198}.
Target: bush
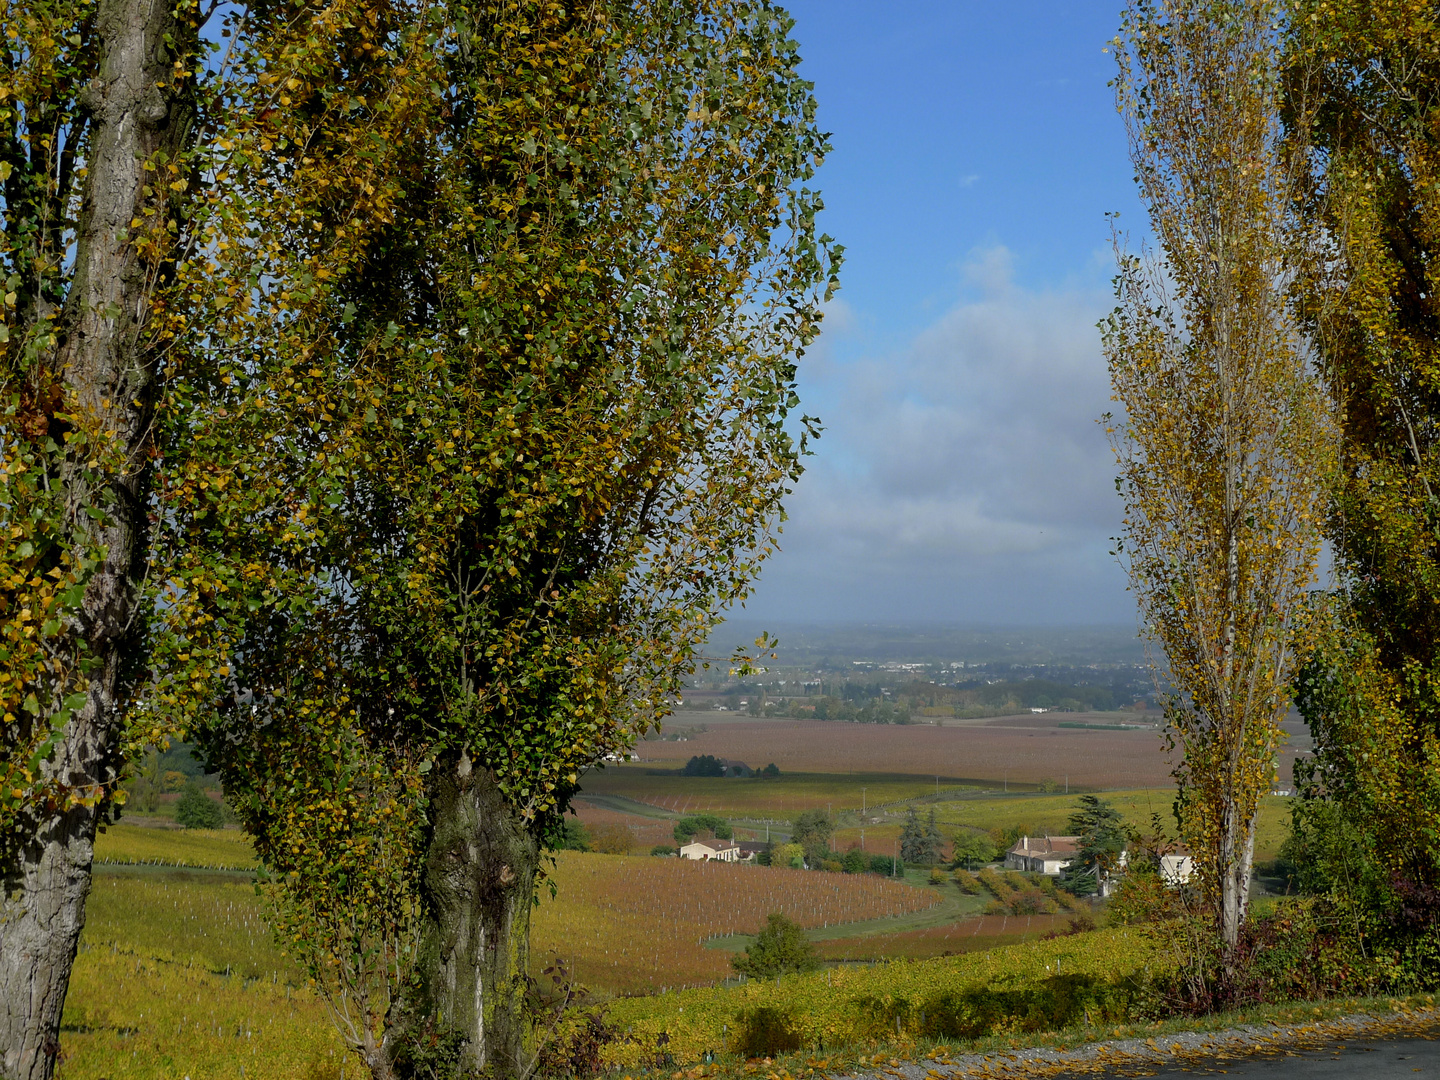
{"x": 881, "y": 864}
{"x": 196, "y": 810}
{"x": 780, "y": 948}
{"x": 966, "y": 882}
{"x": 663, "y": 849}
{"x": 574, "y": 836}
{"x": 769, "y": 772}
{"x": 856, "y": 861}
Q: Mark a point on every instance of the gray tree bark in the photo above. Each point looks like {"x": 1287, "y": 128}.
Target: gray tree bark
{"x": 103, "y": 362}
{"x": 479, "y": 881}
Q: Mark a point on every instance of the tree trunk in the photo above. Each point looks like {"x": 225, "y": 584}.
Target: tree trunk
{"x": 108, "y": 373}
{"x": 1239, "y": 841}
{"x": 479, "y": 882}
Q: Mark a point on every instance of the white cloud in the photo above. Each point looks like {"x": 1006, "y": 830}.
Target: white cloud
{"x": 961, "y": 473}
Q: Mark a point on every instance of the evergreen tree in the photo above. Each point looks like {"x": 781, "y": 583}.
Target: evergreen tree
{"x": 932, "y": 841}
{"x": 912, "y": 838}
{"x": 1102, "y": 840}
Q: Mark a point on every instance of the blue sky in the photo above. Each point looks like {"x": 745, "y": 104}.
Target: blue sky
{"x": 962, "y": 477}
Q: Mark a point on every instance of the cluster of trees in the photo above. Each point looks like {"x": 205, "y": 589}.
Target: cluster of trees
{"x": 874, "y": 711}
{"x": 393, "y": 396}
{"x": 1275, "y": 359}
{"x": 687, "y": 828}
{"x": 920, "y": 844}
{"x": 709, "y": 765}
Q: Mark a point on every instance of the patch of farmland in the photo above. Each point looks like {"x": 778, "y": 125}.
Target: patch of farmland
{"x": 1091, "y": 758}
{"x": 646, "y": 832}
{"x": 635, "y": 925}
{"x": 968, "y": 935}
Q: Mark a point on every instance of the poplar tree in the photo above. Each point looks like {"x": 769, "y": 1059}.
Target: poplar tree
{"x": 96, "y": 114}
{"x": 503, "y": 311}
{"x": 1225, "y": 443}
{"x": 1371, "y": 694}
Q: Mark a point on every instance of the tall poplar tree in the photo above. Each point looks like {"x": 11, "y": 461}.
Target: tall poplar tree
{"x": 96, "y": 112}
{"x": 504, "y": 339}
{"x": 1372, "y": 696}
{"x": 1225, "y": 443}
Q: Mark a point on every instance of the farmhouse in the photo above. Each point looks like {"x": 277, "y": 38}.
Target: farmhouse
{"x": 1041, "y": 854}
{"x": 711, "y": 851}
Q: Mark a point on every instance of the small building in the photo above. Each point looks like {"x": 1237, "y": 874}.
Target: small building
{"x": 1041, "y": 854}
{"x": 711, "y": 851}
{"x": 751, "y": 848}
{"x": 736, "y": 768}
{"x": 1176, "y": 868}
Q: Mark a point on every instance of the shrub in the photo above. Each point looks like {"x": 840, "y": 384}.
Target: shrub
{"x": 779, "y": 948}
{"x": 196, "y": 810}
{"x": 881, "y": 864}
{"x": 663, "y": 849}
{"x": 769, "y": 772}
{"x": 856, "y": 861}
{"x": 966, "y": 882}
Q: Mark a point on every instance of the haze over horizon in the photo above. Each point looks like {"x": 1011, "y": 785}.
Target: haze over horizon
{"x": 962, "y": 478}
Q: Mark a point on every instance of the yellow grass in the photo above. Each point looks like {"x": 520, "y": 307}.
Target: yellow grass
{"x": 150, "y": 996}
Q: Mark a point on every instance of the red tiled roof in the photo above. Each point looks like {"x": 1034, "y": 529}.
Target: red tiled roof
{"x": 1034, "y": 846}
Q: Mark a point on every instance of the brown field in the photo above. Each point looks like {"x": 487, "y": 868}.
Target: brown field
{"x": 1022, "y": 750}
{"x": 635, "y": 925}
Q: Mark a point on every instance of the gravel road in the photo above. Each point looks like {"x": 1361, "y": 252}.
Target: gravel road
{"x": 1388, "y": 1046}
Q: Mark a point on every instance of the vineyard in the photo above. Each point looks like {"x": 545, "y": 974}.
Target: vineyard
{"x": 179, "y": 977}
{"x": 639, "y": 924}
{"x": 645, "y": 832}
{"x": 1027, "y": 755}
{"x": 1038, "y": 985}
{"x": 216, "y": 849}
{"x": 969, "y": 935}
